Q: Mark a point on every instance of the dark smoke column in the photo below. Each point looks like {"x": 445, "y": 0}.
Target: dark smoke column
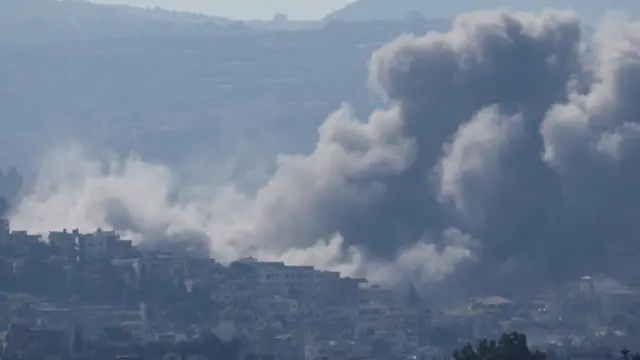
{"x": 471, "y": 141}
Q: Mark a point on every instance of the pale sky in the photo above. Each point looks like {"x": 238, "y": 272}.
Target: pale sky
{"x": 244, "y": 9}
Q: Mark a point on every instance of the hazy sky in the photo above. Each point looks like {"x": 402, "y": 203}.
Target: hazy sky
{"x": 244, "y": 9}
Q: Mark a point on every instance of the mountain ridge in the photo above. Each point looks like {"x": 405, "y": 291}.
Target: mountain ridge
{"x": 380, "y": 10}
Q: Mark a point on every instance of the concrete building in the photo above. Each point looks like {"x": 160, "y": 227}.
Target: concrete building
{"x": 584, "y": 287}
{"x": 288, "y": 280}
{"x": 491, "y": 304}
{"x": 62, "y": 238}
{"x": 21, "y": 240}
{"x": 95, "y": 246}
{"x": 22, "y": 340}
{"x": 54, "y": 318}
{"x": 64, "y": 243}
{"x": 160, "y": 265}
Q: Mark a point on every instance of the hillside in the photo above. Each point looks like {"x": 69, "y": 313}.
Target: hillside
{"x": 62, "y": 19}
{"x": 16, "y": 11}
{"x": 371, "y": 10}
{"x": 173, "y": 90}
{"x": 27, "y": 21}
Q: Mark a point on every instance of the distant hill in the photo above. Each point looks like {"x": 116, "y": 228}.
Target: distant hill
{"x": 376, "y": 10}
{"x": 170, "y": 89}
{"x": 115, "y": 20}
{"x": 31, "y": 10}
{"x": 26, "y": 21}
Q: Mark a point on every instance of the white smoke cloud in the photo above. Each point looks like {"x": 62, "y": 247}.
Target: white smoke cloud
{"x": 73, "y": 190}
{"x": 426, "y": 261}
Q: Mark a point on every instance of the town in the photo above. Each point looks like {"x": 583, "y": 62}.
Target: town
{"x": 71, "y": 295}
{"x": 474, "y": 162}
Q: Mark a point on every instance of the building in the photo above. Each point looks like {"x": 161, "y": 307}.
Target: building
{"x": 584, "y": 287}
{"x": 491, "y": 304}
{"x": 285, "y": 280}
{"x": 234, "y": 291}
{"x": 21, "y": 240}
{"x": 160, "y": 265}
{"x": 376, "y": 293}
{"x": 64, "y": 243}
{"x": 22, "y": 340}
{"x": 54, "y": 318}
{"x": 93, "y": 246}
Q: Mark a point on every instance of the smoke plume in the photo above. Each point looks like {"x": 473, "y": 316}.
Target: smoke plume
{"x": 505, "y": 157}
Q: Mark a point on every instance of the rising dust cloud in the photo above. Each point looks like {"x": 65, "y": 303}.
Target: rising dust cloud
{"x": 510, "y": 139}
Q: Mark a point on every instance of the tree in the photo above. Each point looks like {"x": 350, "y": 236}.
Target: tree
{"x": 510, "y": 347}
{"x": 627, "y": 355}
{"x": 171, "y": 356}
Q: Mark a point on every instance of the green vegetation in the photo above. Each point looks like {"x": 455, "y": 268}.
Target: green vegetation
{"x": 510, "y": 347}
{"x": 513, "y": 346}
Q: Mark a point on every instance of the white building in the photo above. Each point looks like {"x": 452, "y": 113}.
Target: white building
{"x": 96, "y": 245}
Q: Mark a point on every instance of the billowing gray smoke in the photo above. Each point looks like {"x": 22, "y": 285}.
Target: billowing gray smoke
{"x": 506, "y": 156}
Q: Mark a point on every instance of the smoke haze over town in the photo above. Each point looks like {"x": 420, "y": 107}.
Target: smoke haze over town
{"x": 337, "y": 180}
{"x": 509, "y": 138}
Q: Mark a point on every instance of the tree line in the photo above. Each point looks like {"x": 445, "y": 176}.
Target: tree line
{"x": 513, "y": 346}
